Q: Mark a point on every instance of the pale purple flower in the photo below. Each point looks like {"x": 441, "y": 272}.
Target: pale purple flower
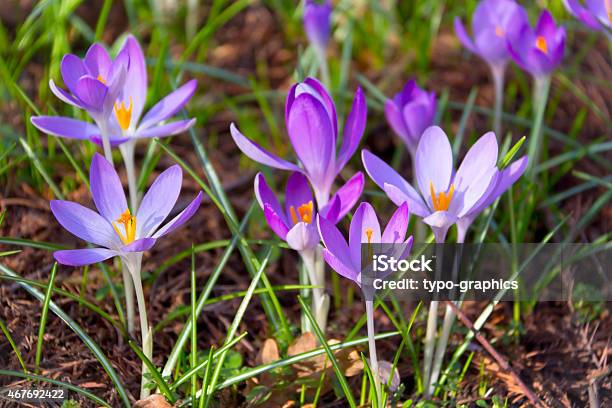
{"x": 597, "y": 15}
{"x": 317, "y": 22}
{"x": 538, "y": 51}
{"x": 345, "y": 258}
{"x": 114, "y": 93}
{"x": 295, "y": 223}
{"x": 410, "y": 112}
{"x": 447, "y": 197}
{"x": 113, "y": 228}
{"x": 493, "y": 22}
{"x": 312, "y": 124}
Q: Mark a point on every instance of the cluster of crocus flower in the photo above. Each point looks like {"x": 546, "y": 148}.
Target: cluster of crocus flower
{"x": 446, "y": 198}
{"x": 312, "y": 126}
{"x": 113, "y": 92}
{"x": 501, "y": 31}
{"x": 493, "y": 23}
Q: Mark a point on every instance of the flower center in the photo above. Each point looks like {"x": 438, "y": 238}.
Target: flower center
{"x": 101, "y": 79}
{"x": 499, "y": 31}
{"x": 541, "y": 44}
{"x": 304, "y": 213}
{"x": 442, "y": 200}
{"x": 129, "y": 224}
{"x": 124, "y": 115}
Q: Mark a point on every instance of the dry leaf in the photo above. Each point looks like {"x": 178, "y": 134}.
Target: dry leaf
{"x": 269, "y": 352}
{"x": 154, "y": 401}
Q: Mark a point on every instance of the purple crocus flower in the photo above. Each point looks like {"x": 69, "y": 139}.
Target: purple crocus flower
{"x": 447, "y": 197}
{"x": 538, "y": 51}
{"x": 317, "y": 23}
{"x": 493, "y": 22}
{"x": 113, "y": 228}
{"x": 410, "y": 112}
{"x": 345, "y": 258}
{"x": 597, "y": 15}
{"x": 312, "y": 125}
{"x": 295, "y": 224}
{"x": 114, "y": 93}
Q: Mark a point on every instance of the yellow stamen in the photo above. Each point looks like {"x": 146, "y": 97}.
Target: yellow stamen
{"x": 442, "y": 200}
{"x": 129, "y": 225}
{"x": 369, "y": 232}
{"x": 305, "y": 213}
{"x": 101, "y": 79}
{"x": 124, "y": 115}
{"x": 499, "y": 31}
{"x": 541, "y": 44}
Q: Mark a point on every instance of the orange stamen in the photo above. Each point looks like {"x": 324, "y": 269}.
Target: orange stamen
{"x": 305, "y": 213}
{"x": 541, "y": 44}
{"x": 369, "y": 232}
{"x": 124, "y": 115}
{"x": 441, "y": 201}
{"x": 499, "y": 31}
{"x": 101, "y": 79}
{"x": 129, "y": 225}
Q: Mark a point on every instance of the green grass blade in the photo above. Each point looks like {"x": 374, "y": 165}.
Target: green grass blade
{"x": 219, "y": 198}
{"x": 8, "y": 336}
{"x": 264, "y": 368}
{"x": 41, "y": 169}
{"x": 77, "y": 298}
{"x": 157, "y": 378}
{"x": 194, "y": 327}
{"x": 236, "y": 322}
{"x": 49, "y": 246}
{"x": 206, "y": 291}
{"x": 180, "y": 381}
{"x": 103, "y": 17}
{"x": 330, "y": 355}
{"x": 43, "y": 317}
{"x": 465, "y": 115}
{"x": 89, "y": 342}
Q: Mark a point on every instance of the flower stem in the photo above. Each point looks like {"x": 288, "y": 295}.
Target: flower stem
{"x": 430, "y": 338}
{"x": 432, "y": 317}
{"x": 449, "y": 320}
{"x": 497, "y": 72}
{"x": 320, "y": 302}
{"x": 106, "y": 146}
{"x": 324, "y": 67}
{"x": 540, "y": 98}
{"x": 372, "y": 348}
{"x": 128, "y": 287}
{"x": 127, "y": 151}
{"x": 147, "y": 342}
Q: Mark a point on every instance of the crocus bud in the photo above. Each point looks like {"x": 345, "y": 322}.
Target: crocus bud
{"x": 317, "y": 23}
{"x": 410, "y": 112}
